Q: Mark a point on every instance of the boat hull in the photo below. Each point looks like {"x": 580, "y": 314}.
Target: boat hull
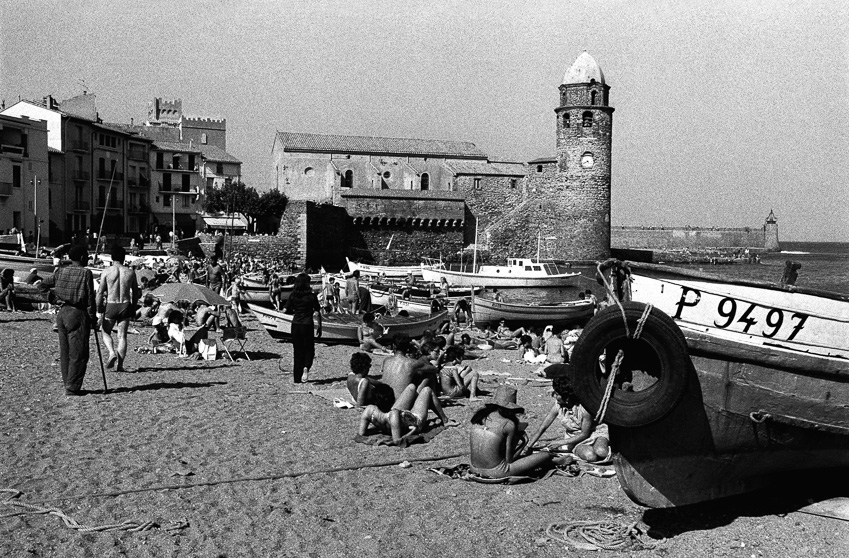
{"x": 460, "y": 278}
{"x": 487, "y": 311}
{"x": 395, "y": 272}
{"x": 738, "y": 427}
{"x": 342, "y": 328}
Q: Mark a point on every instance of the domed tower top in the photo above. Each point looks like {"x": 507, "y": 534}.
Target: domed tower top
{"x": 584, "y": 70}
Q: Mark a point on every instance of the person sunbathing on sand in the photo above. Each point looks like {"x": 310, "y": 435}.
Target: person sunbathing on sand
{"x": 369, "y": 332}
{"x": 457, "y": 379}
{"x": 400, "y": 370}
{"x": 366, "y": 390}
{"x": 497, "y": 439}
{"x": 407, "y": 417}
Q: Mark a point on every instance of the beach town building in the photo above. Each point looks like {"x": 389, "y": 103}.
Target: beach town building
{"x": 24, "y": 176}
{"x": 127, "y": 178}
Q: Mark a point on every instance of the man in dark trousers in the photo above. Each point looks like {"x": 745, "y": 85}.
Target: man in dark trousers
{"x": 73, "y": 286}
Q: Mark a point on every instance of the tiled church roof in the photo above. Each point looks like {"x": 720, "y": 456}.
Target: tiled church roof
{"x": 293, "y": 141}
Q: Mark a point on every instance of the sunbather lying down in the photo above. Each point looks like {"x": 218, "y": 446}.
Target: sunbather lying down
{"x": 407, "y": 416}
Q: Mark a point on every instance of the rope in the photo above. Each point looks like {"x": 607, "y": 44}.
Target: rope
{"x": 642, "y": 321}
{"x": 602, "y": 535}
{"x": 611, "y": 294}
{"x": 608, "y": 389}
{"x": 71, "y": 523}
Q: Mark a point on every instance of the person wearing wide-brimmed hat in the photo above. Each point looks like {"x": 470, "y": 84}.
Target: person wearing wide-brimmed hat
{"x": 497, "y": 439}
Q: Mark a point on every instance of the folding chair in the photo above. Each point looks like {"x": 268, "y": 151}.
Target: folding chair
{"x": 237, "y": 336}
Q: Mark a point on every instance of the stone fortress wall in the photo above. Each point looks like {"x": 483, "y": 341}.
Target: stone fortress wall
{"x": 689, "y": 238}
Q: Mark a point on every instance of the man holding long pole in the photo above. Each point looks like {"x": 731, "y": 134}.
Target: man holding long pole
{"x": 73, "y": 286}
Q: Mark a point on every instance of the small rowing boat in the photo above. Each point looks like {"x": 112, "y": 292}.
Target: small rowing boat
{"x": 342, "y": 328}
{"x": 486, "y": 310}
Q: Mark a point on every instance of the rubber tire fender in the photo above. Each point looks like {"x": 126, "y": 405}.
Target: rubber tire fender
{"x": 660, "y": 344}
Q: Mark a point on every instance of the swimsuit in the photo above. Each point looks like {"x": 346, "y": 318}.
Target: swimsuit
{"x": 410, "y": 419}
{"x": 119, "y": 311}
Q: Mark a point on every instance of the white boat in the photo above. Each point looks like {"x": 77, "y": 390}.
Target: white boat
{"x": 519, "y": 272}
{"x": 718, "y": 387}
{"x": 792, "y": 318}
{"x": 396, "y": 272}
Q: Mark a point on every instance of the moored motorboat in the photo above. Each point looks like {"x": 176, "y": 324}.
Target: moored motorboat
{"x": 487, "y": 310}
{"x": 342, "y": 328}
{"x": 722, "y": 386}
{"x": 519, "y": 272}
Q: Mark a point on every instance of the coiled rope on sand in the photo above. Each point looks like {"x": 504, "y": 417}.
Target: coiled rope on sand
{"x": 602, "y": 535}
{"x": 29, "y": 509}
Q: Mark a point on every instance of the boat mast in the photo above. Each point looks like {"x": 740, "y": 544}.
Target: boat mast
{"x": 538, "y": 240}
{"x": 475, "y": 253}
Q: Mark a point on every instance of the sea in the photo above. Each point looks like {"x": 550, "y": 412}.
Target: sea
{"x": 825, "y": 266}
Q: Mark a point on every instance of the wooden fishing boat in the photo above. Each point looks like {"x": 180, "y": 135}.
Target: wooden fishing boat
{"x": 342, "y": 328}
{"x": 519, "y": 272}
{"x": 390, "y": 271}
{"x": 380, "y": 292}
{"x": 486, "y": 310}
{"x": 730, "y": 385}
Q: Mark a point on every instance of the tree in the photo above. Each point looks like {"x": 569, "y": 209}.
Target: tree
{"x": 234, "y": 197}
{"x": 272, "y": 205}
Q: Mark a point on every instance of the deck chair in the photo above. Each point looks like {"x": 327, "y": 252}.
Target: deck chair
{"x": 236, "y": 335}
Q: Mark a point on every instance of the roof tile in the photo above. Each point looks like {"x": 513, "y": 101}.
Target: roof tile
{"x": 293, "y": 141}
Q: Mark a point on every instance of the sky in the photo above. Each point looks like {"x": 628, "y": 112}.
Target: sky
{"x": 725, "y": 109}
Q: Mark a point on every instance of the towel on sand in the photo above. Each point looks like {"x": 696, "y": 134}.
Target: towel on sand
{"x": 463, "y": 471}
{"x": 386, "y": 440}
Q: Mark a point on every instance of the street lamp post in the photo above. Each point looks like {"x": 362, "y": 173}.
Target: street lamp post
{"x": 35, "y": 182}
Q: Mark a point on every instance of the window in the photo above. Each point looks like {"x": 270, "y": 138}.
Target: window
{"x": 513, "y": 183}
{"x": 592, "y": 98}
{"x": 16, "y": 177}
{"x": 219, "y": 168}
{"x": 477, "y": 183}
{"x": 566, "y": 122}
{"x": 588, "y": 119}
{"x": 539, "y": 168}
{"x": 166, "y": 201}
{"x": 387, "y": 175}
{"x": 185, "y": 201}
{"x": 175, "y": 162}
{"x": 348, "y": 179}
{"x": 191, "y": 162}
{"x": 187, "y": 184}
{"x": 425, "y": 181}
{"x": 166, "y": 181}
{"x": 309, "y": 171}
{"x": 159, "y": 160}
{"x": 203, "y": 138}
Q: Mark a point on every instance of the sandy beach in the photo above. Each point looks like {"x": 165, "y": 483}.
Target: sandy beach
{"x": 258, "y": 466}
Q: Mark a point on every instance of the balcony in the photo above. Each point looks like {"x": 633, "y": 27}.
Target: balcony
{"x": 114, "y": 203}
{"x": 137, "y": 154}
{"x": 171, "y": 167}
{"x": 18, "y": 150}
{"x": 80, "y": 175}
{"x": 80, "y": 205}
{"x": 107, "y": 175}
{"x": 140, "y": 208}
{"x": 79, "y": 145}
{"x": 5, "y": 188}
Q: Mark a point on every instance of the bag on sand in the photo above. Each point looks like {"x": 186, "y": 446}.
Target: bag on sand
{"x": 207, "y": 350}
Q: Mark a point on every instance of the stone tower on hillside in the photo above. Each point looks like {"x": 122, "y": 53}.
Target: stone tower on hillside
{"x": 771, "y": 233}
{"x": 584, "y": 137}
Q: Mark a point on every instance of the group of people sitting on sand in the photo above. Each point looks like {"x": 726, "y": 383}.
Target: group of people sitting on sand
{"x": 420, "y": 376}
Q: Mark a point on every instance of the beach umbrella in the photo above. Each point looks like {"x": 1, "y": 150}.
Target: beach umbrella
{"x": 145, "y": 272}
{"x": 176, "y": 259}
{"x": 171, "y": 292}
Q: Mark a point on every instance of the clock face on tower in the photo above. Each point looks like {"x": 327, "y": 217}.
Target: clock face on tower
{"x": 587, "y": 160}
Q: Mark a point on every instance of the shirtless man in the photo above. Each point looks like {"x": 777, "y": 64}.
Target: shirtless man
{"x": 120, "y": 289}
{"x": 400, "y": 370}
{"x": 409, "y": 412}
{"x": 458, "y": 379}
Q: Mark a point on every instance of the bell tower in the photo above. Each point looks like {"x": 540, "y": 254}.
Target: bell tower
{"x": 584, "y": 140}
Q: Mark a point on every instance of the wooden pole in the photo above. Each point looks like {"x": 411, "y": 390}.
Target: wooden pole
{"x": 475, "y": 253}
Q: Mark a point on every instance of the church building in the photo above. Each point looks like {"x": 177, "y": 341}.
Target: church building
{"x": 396, "y": 200}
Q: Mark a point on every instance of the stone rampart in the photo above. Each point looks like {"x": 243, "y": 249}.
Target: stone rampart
{"x": 692, "y": 238}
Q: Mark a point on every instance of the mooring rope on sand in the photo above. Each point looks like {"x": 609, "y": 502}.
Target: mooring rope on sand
{"x": 71, "y": 523}
{"x": 602, "y": 535}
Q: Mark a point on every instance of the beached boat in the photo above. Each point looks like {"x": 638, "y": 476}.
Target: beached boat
{"x": 390, "y": 271}
{"x": 730, "y": 385}
{"x": 486, "y": 310}
{"x": 519, "y": 272}
{"x": 380, "y": 292}
{"x": 342, "y": 328}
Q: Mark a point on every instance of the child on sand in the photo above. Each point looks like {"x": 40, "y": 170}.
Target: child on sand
{"x": 457, "y": 379}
